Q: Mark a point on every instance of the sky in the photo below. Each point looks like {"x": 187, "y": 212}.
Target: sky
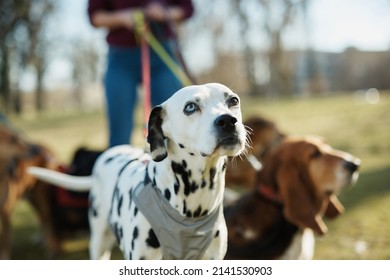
{"x": 338, "y": 24}
{"x": 334, "y": 26}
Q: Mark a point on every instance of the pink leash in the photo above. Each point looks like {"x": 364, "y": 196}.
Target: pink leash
{"x": 145, "y": 59}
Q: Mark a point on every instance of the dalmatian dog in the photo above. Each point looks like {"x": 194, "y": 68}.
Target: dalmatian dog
{"x": 180, "y": 182}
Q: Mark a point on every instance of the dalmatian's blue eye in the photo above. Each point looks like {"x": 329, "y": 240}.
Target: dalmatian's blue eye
{"x": 190, "y": 108}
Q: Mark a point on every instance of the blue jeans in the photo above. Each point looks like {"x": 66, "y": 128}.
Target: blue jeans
{"x": 123, "y": 76}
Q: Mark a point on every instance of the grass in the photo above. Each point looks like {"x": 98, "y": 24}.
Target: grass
{"x": 346, "y": 121}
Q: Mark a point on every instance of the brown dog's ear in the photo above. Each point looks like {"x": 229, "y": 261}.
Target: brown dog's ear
{"x": 156, "y": 136}
{"x": 300, "y": 206}
{"x": 335, "y": 208}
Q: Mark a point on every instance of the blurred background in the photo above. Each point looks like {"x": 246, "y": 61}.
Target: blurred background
{"x": 257, "y": 47}
{"x": 313, "y": 66}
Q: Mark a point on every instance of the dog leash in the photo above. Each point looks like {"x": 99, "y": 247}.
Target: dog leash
{"x": 152, "y": 41}
{"x": 142, "y": 28}
{"x": 146, "y": 39}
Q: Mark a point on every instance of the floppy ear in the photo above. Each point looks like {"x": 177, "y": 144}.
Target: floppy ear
{"x": 301, "y": 207}
{"x": 155, "y": 135}
{"x": 335, "y": 208}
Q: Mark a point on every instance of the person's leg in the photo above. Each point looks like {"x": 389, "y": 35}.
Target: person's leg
{"x": 163, "y": 82}
{"x": 121, "y": 81}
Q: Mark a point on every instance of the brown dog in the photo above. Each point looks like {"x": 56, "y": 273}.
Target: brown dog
{"x": 16, "y": 155}
{"x": 296, "y": 188}
{"x": 264, "y": 135}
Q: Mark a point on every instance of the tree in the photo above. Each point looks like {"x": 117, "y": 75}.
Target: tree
{"x": 39, "y": 45}
{"x": 280, "y": 73}
{"x": 254, "y": 30}
{"x": 12, "y": 14}
{"x": 274, "y": 18}
{"x": 21, "y": 43}
{"x": 84, "y": 59}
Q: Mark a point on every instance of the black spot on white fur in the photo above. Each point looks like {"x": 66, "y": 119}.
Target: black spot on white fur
{"x": 224, "y": 165}
{"x": 118, "y": 231}
{"x": 185, "y": 176}
{"x": 147, "y": 179}
{"x": 176, "y": 187}
{"x": 155, "y": 135}
{"x": 167, "y": 194}
{"x": 184, "y": 207}
{"x": 92, "y": 208}
{"x": 111, "y": 158}
{"x": 213, "y": 171}
{"x": 135, "y": 235}
{"x": 130, "y": 198}
{"x": 152, "y": 240}
{"x": 116, "y": 195}
{"x": 135, "y": 211}
{"x": 197, "y": 212}
{"x": 120, "y": 201}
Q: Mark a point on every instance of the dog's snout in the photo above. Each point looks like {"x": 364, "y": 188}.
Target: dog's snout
{"x": 225, "y": 123}
{"x": 351, "y": 166}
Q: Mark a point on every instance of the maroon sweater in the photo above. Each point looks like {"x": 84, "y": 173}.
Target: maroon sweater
{"x": 125, "y": 37}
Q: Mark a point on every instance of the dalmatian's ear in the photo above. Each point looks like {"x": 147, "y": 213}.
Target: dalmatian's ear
{"x": 156, "y": 136}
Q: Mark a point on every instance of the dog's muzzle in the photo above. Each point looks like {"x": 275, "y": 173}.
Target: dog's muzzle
{"x": 352, "y": 168}
{"x": 227, "y": 134}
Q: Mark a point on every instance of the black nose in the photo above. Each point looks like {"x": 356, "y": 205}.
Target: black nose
{"x": 226, "y": 123}
{"x": 351, "y": 166}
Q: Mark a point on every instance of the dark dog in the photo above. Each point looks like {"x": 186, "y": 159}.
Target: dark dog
{"x": 297, "y": 186}
{"x": 69, "y": 208}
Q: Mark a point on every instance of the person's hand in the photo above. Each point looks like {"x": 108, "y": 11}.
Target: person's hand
{"x": 156, "y": 12}
{"x": 126, "y": 18}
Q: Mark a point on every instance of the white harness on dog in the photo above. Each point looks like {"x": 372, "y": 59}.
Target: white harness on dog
{"x": 180, "y": 237}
